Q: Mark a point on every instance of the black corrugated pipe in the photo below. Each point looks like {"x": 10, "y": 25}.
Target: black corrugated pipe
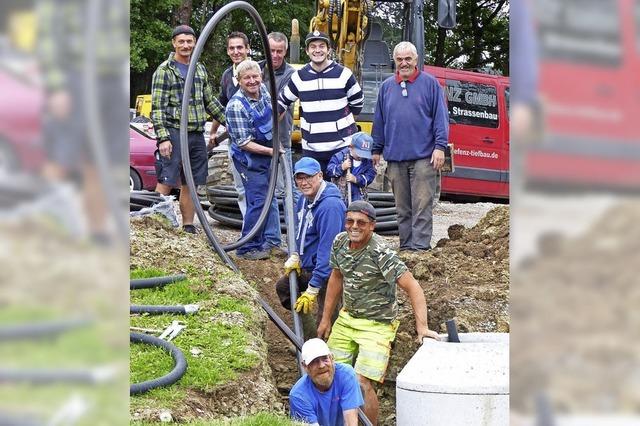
{"x": 291, "y": 244}
{"x": 155, "y": 281}
{"x": 159, "y": 310}
{"x": 179, "y": 366}
{"x": 186, "y": 162}
{"x": 40, "y": 329}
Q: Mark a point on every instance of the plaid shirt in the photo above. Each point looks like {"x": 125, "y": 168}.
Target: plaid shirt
{"x": 166, "y": 100}
{"x": 239, "y": 121}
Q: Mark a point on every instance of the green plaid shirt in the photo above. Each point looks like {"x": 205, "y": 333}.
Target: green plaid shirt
{"x": 166, "y": 100}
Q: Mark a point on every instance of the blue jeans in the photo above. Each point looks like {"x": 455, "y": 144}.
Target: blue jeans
{"x": 237, "y": 183}
{"x": 255, "y": 179}
{"x": 272, "y": 234}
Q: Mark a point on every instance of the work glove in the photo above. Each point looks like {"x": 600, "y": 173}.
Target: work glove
{"x": 307, "y": 299}
{"x": 292, "y": 264}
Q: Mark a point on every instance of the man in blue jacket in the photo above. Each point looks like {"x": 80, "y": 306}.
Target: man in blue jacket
{"x": 411, "y": 130}
{"x": 320, "y": 214}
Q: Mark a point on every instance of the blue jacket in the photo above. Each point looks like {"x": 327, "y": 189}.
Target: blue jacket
{"x": 365, "y": 173}
{"x": 318, "y": 223}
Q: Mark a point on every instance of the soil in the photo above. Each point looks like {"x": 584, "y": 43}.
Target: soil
{"x": 576, "y": 312}
{"x": 465, "y": 277}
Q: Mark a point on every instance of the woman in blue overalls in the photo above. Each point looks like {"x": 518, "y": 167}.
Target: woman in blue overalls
{"x": 249, "y": 124}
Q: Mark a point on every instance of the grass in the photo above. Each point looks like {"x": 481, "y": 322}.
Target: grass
{"x": 223, "y": 345}
{"x": 91, "y": 346}
{"x": 261, "y": 419}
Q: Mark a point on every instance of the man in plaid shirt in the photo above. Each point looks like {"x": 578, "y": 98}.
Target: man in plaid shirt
{"x": 166, "y": 106}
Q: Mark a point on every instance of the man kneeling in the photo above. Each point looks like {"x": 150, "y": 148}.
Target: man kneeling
{"x": 329, "y": 394}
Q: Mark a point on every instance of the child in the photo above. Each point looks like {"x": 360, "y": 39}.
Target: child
{"x": 353, "y": 165}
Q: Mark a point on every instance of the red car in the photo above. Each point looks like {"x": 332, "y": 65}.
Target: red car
{"x": 142, "y": 148}
{"x": 20, "y": 122}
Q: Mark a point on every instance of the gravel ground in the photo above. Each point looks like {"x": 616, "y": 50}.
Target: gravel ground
{"x": 445, "y": 214}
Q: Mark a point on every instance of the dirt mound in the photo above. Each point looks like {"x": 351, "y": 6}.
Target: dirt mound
{"x": 466, "y": 278}
{"x": 155, "y": 244}
{"x": 576, "y": 311}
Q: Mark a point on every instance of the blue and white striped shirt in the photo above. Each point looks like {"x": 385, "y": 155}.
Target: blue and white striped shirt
{"x": 328, "y": 101}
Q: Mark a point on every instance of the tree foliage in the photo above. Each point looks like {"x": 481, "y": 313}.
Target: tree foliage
{"x": 480, "y": 39}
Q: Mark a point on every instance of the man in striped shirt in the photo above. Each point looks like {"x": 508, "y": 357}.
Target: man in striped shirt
{"x": 329, "y": 97}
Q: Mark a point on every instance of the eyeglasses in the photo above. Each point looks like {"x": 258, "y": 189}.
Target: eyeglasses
{"x": 403, "y": 84}
{"x": 304, "y": 178}
{"x": 358, "y": 222}
{"x": 317, "y": 362}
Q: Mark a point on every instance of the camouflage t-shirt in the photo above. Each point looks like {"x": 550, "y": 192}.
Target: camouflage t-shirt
{"x": 369, "y": 277}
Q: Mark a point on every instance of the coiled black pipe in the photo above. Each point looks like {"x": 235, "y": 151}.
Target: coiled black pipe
{"x": 186, "y": 162}
{"x": 179, "y": 364}
{"x": 40, "y": 329}
{"x": 155, "y": 281}
{"x": 159, "y": 310}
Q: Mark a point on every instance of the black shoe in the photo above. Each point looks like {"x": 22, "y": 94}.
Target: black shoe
{"x": 191, "y": 229}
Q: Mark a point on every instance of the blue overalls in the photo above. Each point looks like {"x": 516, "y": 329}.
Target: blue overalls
{"x": 254, "y": 171}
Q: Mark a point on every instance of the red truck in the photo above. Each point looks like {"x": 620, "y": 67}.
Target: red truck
{"x": 590, "y": 89}
{"x": 478, "y": 106}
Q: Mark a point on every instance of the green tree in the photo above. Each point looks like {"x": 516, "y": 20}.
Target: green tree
{"x": 481, "y": 38}
{"x": 152, "y": 21}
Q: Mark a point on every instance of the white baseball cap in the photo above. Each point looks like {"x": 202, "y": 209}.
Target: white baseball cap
{"x": 314, "y": 348}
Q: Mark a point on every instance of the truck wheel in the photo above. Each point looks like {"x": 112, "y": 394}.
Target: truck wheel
{"x": 135, "y": 183}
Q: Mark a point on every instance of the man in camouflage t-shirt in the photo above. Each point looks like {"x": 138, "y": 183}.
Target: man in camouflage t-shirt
{"x": 366, "y": 273}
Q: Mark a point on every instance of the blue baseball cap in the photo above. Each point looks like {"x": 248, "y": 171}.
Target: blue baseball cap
{"x": 362, "y": 144}
{"x": 307, "y": 165}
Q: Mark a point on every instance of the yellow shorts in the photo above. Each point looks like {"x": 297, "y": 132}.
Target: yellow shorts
{"x": 368, "y": 341}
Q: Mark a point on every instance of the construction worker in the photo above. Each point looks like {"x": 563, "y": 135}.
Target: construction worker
{"x": 329, "y": 393}
{"x": 329, "y": 97}
{"x": 249, "y": 123}
{"x": 366, "y": 274}
{"x": 166, "y": 100}
{"x": 320, "y": 217}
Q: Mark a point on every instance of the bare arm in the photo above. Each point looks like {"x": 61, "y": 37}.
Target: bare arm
{"x": 419, "y": 304}
{"x": 256, "y": 148}
{"x": 334, "y": 291}
{"x": 350, "y": 417}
